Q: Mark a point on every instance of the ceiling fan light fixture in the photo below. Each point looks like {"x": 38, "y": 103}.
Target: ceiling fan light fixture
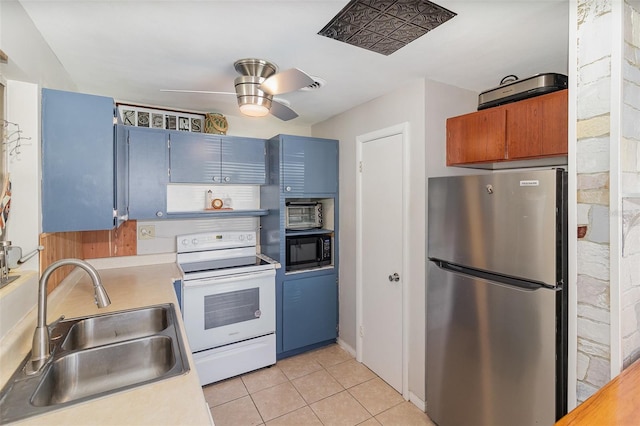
{"x": 254, "y": 110}
{"x": 252, "y": 101}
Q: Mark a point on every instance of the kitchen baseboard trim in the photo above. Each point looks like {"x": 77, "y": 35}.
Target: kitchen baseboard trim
{"x": 415, "y": 400}
{"x": 346, "y": 347}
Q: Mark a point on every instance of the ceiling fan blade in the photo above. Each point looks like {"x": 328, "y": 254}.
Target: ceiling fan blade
{"x": 197, "y": 91}
{"x": 286, "y": 81}
{"x": 282, "y": 111}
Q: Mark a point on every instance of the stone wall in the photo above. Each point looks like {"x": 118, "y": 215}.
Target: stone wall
{"x": 598, "y": 207}
{"x": 593, "y": 177}
{"x": 630, "y": 186}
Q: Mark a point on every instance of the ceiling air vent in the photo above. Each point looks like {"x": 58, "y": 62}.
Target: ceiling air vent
{"x": 317, "y": 83}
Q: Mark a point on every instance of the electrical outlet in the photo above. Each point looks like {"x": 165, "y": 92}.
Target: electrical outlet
{"x": 146, "y": 232}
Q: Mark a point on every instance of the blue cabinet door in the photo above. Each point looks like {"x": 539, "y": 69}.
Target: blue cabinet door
{"x": 122, "y": 175}
{"x": 195, "y": 158}
{"x": 78, "y": 176}
{"x": 243, "y": 160}
{"x": 148, "y": 173}
{"x": 309, "y": 311}
{"x": 309, "y": 166}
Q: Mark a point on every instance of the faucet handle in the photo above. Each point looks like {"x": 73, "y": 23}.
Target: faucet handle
{"x": 53, "y": 324}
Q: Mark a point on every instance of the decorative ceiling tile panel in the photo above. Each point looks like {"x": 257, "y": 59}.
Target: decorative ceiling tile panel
{"x": 365, "y": 39}
{"x": 378, "y": 4}
{"x": 384, "y": 26}
{"x": 388, "y": 46}
{"x": 359, "y": 15}
{"x": 407, "y": 32}
{"x": 404, "y": 9}
{"x": 340, "y": 30}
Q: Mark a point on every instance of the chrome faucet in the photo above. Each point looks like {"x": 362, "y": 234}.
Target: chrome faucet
{"x": 41, "y": 351}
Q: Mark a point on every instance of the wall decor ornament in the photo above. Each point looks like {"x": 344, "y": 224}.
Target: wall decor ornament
{"x": 216, "y": 123}
{"x": 140, "y": 116}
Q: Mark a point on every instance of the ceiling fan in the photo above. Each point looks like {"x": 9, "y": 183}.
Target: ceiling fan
{"x": 257, "y": 84}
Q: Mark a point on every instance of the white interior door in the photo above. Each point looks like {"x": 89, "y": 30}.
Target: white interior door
{"x": 381, "y": 258}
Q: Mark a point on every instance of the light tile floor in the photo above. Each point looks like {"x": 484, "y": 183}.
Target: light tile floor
{"x": 322, "y": 387}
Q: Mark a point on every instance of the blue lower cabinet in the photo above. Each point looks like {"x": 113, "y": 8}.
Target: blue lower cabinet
{"x": 309, "y": 311}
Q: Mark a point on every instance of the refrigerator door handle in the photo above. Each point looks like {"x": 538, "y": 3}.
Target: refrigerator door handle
{"x": 502, "y": 279}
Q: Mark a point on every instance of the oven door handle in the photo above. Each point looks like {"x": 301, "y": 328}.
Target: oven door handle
{"x": 229, "y": 278}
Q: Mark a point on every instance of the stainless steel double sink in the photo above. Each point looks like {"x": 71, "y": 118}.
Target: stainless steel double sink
{"x": 96, "y": 356}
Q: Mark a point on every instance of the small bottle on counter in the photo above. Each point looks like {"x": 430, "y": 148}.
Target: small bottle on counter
{"x": 226, "y": 202}
{"x": 208, "y": 198}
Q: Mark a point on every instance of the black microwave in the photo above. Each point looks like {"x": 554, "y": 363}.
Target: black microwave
{"x": 308, "y": 251}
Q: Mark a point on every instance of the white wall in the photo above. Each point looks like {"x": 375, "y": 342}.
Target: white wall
{"x": 30, "y": 57}
{"x": 31, "y": 64}
{"x": 441, "y": 102}
{"x": 23, "y": 226}
{"x": 425, "y": 105}
{"x": 404, "y": 105}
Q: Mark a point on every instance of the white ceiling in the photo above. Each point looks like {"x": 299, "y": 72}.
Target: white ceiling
{"x": 129, "y": 50}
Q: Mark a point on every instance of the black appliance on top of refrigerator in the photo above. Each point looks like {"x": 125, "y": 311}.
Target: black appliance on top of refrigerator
{"x": 496, "y": 299}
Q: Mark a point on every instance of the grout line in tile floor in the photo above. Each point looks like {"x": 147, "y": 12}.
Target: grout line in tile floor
{"x": 326, "y": 386}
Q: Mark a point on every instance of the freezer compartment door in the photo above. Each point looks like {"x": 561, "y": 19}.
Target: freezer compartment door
{"x": 505, "y": 223}
{"x": 491, "y": 352}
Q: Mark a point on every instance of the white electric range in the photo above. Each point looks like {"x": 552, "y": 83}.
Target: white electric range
{"x": 228, "y": 303}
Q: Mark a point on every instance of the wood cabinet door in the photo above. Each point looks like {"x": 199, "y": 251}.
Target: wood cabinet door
{"x": 555, "y": 123}
{"x": 477, "y": 137}
{"x": 537, "y": 127}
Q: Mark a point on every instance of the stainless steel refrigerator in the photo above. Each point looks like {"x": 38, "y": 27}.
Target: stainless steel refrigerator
{"x": 496, "y": 299}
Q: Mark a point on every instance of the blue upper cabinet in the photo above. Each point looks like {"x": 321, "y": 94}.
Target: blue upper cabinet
{"x": 148, "y": 173}
{"x": 195, "y": 158}
{"x": 122, "y": 177}
{"x": 78, "y": 162}
{"x": 309, "y": 166}
{"x": 202, "y": 158}
{"x": 243, "y": 160}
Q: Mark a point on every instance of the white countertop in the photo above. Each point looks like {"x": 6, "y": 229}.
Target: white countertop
{"x": 176, "y": 400}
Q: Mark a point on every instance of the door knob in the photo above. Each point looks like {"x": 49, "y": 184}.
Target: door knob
{"x": 395, "y": 277}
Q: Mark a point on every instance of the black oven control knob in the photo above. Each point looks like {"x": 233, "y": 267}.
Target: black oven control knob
{"x": 257, "y": 313}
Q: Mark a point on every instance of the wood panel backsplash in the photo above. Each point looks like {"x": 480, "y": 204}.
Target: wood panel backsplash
{"x": 116, "y": 242}
{"x": 85, "y": 245}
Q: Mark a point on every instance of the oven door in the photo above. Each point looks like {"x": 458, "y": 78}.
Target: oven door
{"x": 227, "y": 309}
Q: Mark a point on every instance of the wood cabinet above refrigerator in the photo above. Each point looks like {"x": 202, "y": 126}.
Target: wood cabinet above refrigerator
{"x": 532, "y": 129}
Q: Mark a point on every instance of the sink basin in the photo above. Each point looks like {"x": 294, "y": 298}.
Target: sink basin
{"x": 109, "y": 328}
{"x": 97, "y": 356}
{"x": 94, "y": 371}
